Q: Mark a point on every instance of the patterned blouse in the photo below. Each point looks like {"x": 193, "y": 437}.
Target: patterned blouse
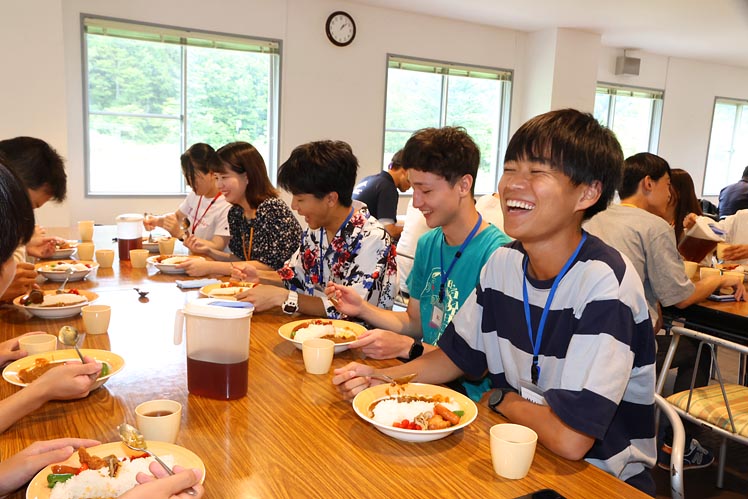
{"x": 275, "y": 237}
{"x": 361, "y": 255}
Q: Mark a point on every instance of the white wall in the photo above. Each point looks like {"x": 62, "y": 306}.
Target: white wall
{"x": 327, "y": 92}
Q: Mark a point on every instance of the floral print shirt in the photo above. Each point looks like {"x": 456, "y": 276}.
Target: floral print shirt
{"x": 361, "y": 255}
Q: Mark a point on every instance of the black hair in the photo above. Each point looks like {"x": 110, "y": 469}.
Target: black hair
{"x": 397, "y": 160}
{"x": 683, "y": 197}
{"x": 576, "y": 144}
{"x": 448, "y": 152}
{"x": 639, "y": 166}
{"x": 195, "y": 159}
{"x": 243, "y": 157}
{"x": 745, "y": 172}
{"x": 16, "y": 213}
{"x": 319, "y": 168}
{"x": 37, "y": 164}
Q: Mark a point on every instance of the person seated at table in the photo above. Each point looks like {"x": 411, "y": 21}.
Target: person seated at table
{"x": 683, "y": 201}
{"x": 264, "y": 230}
{"x": 736, "y": 235}
{"x": 343, "y": 243}
{"x": 379, "y": 194}
{"x": 42, "y": 171}
{"x": 442, "y": 164}
{"x": 637, "y": 227}
{"x": 582, "y": 376}
{"x": 205, "y": 208}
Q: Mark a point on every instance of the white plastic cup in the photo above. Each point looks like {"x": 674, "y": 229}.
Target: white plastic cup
{"x": 721, "y": 251}
{"x": 85, "y": 251}
{"x": 690, "y": 268}
{"x": 138, "y": 258}
{"x": 318, "y": 354}
{"x": 705, "y": 272}
{"x": 96, "y": 318}
{"x": 166, "y": 246}
{"x": 512, "y": 449}
{"x": 159, "y": 419}
{"x": 105, "y": 257}
{"x": 38, "y": 343}
{"x": 86, "y": 230}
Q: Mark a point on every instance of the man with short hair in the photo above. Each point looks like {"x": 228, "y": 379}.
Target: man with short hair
{"x": 379, "y": 194}
{"x": 734, "y": 197}
{"x": 442, "y": 164}
{"x": 343, "y": 243}
{"x": 558, "y": 320}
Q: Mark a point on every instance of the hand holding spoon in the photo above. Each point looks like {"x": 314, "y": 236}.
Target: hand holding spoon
{"x": 133, "y": 439}
{"x": 68, "y": 335}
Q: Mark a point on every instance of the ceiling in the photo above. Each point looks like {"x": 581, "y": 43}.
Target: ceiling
{"x": 705, "y": 30}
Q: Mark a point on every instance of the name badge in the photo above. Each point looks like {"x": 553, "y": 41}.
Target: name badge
{"x": 437, "y": 316}
{"x": 531, "y": 392}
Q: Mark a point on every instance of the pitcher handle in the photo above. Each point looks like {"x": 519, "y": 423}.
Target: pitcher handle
{"x": 178, "y": 326}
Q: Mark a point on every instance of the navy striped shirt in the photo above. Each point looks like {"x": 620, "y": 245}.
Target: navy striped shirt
{"x": 597, "y": 356}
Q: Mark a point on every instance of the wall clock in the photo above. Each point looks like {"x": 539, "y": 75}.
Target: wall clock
{"x": 340, "y": 28}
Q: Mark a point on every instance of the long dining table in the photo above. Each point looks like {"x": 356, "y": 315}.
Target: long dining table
{"x": 292, "y": 435}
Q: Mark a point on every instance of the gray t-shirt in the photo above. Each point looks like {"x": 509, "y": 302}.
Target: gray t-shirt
{"x": 649, "y": 242}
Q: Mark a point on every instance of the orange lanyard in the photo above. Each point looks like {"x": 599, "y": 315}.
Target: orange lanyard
{"x": 247, "y": 249}
{"x": 195, "y": 221}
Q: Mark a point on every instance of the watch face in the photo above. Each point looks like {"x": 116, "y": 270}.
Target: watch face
{"x": 340, "y": 28}
{"x": 495, "y": 398}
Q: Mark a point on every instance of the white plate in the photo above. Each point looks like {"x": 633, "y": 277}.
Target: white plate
{"x": 47, "y": 269}
{"x": 171, "y": 268}
{"x": 57, "y": 312}
{"x": 225, "y": 292}
{"x": 184, "y": 457}
{"x": 363, "y": 401}
{"x": 286, "y": 329}
{"x": 115, "y": 362}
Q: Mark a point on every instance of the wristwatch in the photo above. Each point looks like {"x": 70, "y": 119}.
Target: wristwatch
{"x": 416, "y": 350}
{"x": 496, "y": 397}
{"x": 291, "y": 305}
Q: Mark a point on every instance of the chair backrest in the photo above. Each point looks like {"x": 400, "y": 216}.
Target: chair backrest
{"x": 678, "y": 447}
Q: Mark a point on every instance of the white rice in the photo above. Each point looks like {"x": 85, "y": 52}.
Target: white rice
{"x": 61, "y": 267}
{"x": 97, "y": 483}
{"x": 314, "y": 331}
{"x": 174, "y": 260}
{"x": 62, "y": 299}
{"x": 391, "y": 411}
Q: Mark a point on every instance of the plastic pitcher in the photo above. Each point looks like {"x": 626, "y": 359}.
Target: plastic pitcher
{"x": 217, "y": 346}
{"x": 129, "y": 234}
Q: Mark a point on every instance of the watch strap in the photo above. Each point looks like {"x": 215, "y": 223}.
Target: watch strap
{"x": 416, "y": 349}
{"x": 291, "y": 305}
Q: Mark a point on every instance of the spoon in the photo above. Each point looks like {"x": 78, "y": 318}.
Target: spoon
{"x": 133, "y": 439}
{"x": 68, "y": 272}
{"x": 150, "y": 234}
{"x": 143, "y": 294}
{"x": 68, "y": 335}
{"x": 402, "y": 380}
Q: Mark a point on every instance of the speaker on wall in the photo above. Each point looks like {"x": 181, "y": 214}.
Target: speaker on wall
{"x": 627, "y": 65}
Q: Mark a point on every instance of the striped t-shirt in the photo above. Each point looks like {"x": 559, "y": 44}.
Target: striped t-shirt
{"x": 597, "y": 355}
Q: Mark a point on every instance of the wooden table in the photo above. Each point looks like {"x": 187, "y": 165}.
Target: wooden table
{"x": 291, "y": 436}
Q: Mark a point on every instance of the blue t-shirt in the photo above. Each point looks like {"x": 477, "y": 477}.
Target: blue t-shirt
{"x": 424, "y": 281}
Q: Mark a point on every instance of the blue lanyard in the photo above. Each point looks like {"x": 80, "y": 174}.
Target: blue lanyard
{"x": 535, "y": 342}
{"x": 445, "y": 275}
{"x": 329, "y": 246}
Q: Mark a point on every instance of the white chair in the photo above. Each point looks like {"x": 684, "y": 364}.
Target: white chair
{"x": 722, "y": 407}
{"x": 678, "y": 447}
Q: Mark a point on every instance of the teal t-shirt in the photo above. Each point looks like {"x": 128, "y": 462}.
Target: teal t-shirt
{"x": 424, "y": 281}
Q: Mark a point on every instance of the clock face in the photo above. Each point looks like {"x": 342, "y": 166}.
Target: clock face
{"x": 340, "y": 28}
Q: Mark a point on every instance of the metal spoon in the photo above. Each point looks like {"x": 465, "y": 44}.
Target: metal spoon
{"x": 68, "y": 272}
{"x": 133, "y": 439}
{"x": 68, "y": 335}
{"x": 401, "y": 380}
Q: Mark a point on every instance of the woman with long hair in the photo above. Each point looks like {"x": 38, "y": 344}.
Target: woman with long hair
{"x": 264, "y": 230}
{"x": 683, "y": 200}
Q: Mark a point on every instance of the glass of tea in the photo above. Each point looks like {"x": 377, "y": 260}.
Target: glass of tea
{"x": 159, "y": 419}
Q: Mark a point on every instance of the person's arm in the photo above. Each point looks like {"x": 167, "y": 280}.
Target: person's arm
{"x": 17, "y": 470}
{"x": 212, "y": 248}
{"x": 164, "y": 486}
{"x": 708, "y": 285}
{"x": 23, "y": 281}
{"x": 394, "y": 230}
{"x": 70, "y": 381}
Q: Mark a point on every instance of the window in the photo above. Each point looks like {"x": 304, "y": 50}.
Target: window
{"x": 728, "y": 145}
{"x": 429, "y": 94}
{"x": 634, "y": 114}
{"x": 152, "y": 91}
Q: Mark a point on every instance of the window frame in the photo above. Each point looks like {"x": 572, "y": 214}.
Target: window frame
{"x": 655, "y": 122}
{"x": 742, "y": 105}
{"x": 274, "y": 95}
{"x": 454, "y": 69}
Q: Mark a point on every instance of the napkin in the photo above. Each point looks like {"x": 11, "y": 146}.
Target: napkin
{"x": 196, "y": 283}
